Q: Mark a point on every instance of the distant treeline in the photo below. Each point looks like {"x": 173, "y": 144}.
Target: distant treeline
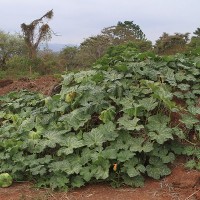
{"x": 15, "y": 59}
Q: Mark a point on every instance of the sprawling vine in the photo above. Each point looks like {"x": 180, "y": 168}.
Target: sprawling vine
{"x": 112, "y": 123}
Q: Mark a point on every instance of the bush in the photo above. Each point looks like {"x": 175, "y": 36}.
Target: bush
{"x": 22, "y": 66}
{"x": 49, "y": 63}
{"x": 19, "y": 63}
{"x": 19, "y": 66}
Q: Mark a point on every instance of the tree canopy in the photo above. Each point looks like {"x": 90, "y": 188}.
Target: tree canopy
{"x": 170, "y": 44}
{"x": 124, "y": 31}
{"x": 10, "y": 45}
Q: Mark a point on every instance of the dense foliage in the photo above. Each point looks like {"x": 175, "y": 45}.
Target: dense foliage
{"x": 126, "y": 30}
{"x": 10, "y": 45}
{"x": 17, "y": 61}
{"x": 112, "y": 123}
{"x": 94, "y": 47}
{"x": 171, "y": 44}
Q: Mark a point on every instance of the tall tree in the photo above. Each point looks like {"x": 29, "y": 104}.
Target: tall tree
{"x": 36, "y": 32}
{"x": 126, "y": 32}
{"x": 123, "y": 32}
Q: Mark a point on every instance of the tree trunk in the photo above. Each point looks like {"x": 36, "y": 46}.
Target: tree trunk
{"x": 32, "y": 52}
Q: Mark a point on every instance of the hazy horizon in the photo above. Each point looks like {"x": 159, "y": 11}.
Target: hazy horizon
{"x": 77, "y": 20}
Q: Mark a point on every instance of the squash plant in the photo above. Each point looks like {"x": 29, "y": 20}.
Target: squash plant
{"x": 111, "y": 123}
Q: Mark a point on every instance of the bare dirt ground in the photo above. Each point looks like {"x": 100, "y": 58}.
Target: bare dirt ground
{"x": 182, "y": 184}
{"x": 43, "y": 84}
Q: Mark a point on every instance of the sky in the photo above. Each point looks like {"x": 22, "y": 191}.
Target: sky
{"x": 76, "y": 20}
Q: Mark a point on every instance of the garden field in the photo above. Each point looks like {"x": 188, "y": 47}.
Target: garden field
{"x": 131, "y": 121}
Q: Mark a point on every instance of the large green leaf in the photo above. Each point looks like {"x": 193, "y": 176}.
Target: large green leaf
{"x": 107, "y": 115}
{"x": 70, "y": 165}
{"x": 69, "y": 144}
{"x": 94, "y": 138}
{"x": 88, "y": 172}
{"x": 163, "y": 153}
{"x": 189, "y": 120}
{"x": 67, "y": 79}
{"x": 52, "y": 138}
{"x": 158, "y": 129}
{"x": 77, "y": 181}
{"x": 110, "y": 153}
{"x": 59, "y": 181}
{"x": 169, "y": 75}
{"x": 123, "y": 141}
{"x": 84, "y": 76}
{"x": 148, "y": 103}
{"x": 102, "y": 168}
{"x": 126, "y": 123}
{"x": 139, "y": 145}
{"x": 156, "y": 169}
{"x": 161, "y": 135}
{"x": 125, "y": 155}
{"x": 108, "y": 130}
{"x": 38, "y": 170}
{"x": 77, "y": 118}
{"x": 133, "y": 167}
{"x": 184, "y": 87}
{"x": 105, "y": 132}
{"x": 159, "y": 118}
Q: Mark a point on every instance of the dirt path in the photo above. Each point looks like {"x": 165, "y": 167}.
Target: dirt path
{"x": 43, "y": 84}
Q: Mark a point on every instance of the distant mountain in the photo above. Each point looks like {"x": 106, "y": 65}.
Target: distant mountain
{"x": 55, "y": 47}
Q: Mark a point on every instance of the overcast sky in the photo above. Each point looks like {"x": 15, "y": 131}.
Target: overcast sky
{"x": 76, "y": 20}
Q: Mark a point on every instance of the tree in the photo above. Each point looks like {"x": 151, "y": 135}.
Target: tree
{"x": 197, "y": 32}
{"x": 10, "y": 45}
{"x": 171, "y": 44}
{"x": 95, "y": 47}
{"x": 36, "y": 32}
{"x": 194, "y": 45}
{"x": 92, "y": 49}
{"x": 124, "y": 32}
